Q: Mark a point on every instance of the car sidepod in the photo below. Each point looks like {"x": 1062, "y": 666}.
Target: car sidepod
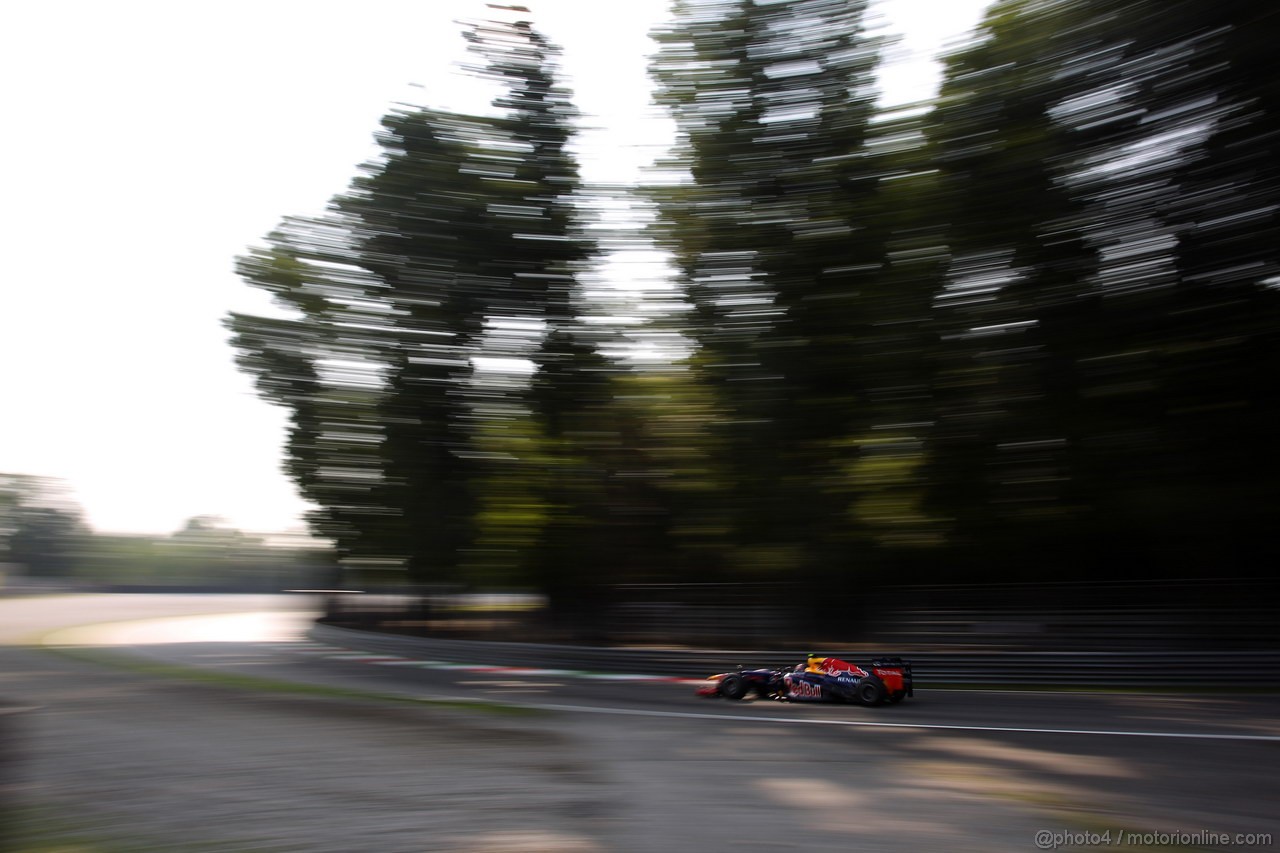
{"x": 849, "y": 687}
{"x": 807, "y": 687}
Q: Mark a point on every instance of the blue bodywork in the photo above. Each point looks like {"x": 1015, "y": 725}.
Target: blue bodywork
{"x": 819, "y": 687}
{"x": 887, "y": 680}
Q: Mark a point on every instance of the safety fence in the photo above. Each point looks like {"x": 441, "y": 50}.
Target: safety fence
{"x": 1199, "y": 671}
{"x": 1197, "y": 615}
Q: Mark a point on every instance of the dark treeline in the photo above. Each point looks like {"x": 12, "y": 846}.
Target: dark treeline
{"x": 1026, "y": 332}
{"x": 45, "y": 543}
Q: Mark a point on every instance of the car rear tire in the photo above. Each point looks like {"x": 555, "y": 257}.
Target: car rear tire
{"x": 733, "y": 687}
{"x": 897, "y": 697}
{"x": 870, "y": 691}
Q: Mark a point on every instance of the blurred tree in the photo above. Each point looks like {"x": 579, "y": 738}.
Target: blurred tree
{"x": 323, "y": 366}
{"x": 421, "y": 301}
{"x": 879, "y": 468}
{"x": 43, "y": 531}
{"x": 569, "y": 396}
{"x": 1013, "y": 250}
{"x": 40, "y": 528}
{"x": 1110, "y": 195}
{"x": 776, "y": 219}
{"x": 533, "y": 324}
{"x": 1036, "y": 324}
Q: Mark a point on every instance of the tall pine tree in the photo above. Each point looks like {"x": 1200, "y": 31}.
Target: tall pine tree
{"x": 457, "y": 245}
{"x": 1110, "y": 195}
{"x": 775, "y": 225}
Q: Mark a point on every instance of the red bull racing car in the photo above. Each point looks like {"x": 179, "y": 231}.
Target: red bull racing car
{"x": 819, "y": 679}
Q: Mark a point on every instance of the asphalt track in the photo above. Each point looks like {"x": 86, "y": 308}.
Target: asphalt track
{"x": 983, "y": 769}
{"x": 271, "y": 643}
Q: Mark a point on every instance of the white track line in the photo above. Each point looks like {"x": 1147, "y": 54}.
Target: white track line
{"x": 689, "y": 715}
{"x": 337, "y": 653}
{"x": 355, "y": 656}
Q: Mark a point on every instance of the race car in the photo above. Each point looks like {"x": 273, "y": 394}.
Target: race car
{"x": 819, "y": 679}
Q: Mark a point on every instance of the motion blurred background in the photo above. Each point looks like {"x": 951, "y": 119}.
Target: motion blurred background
{"x": 993, "y": 368}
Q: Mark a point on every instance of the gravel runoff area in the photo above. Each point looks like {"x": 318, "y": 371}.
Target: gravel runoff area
{"x": 108, "y": 761}
{"x": 98, "y": 759}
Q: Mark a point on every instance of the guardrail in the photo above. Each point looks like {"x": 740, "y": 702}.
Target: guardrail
{"x": 1191, "y": 670}
{"x": 1203, "y": 615}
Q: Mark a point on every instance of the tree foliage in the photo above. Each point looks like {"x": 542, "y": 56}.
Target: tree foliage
{"x": 447, "y": 265}
{"x": 777, "y": 222}
{"x": 41, "y": 529}
{"x": 1028, "y": 325}
{"x": 1108, "y": 311}
{"x": 44, "y": 537}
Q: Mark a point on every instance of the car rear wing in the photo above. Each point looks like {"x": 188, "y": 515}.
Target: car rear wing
{"x": 899, "y": 664}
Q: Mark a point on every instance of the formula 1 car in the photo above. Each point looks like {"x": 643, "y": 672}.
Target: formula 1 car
{"x": 819, "y": 680}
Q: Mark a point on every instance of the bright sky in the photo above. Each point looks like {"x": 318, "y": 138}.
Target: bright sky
{"x": 147, "y": 143}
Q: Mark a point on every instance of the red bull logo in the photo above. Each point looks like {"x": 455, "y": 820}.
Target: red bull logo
{"x": 835, "y": 666}
{"x": 803, "y": 689}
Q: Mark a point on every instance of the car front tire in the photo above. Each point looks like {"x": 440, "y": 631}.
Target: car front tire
{"x": 733, "y": 687}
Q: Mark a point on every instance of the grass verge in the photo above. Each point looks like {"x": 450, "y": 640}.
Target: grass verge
{"x": 236, "y": 681}
{"x": 43, "y": 829}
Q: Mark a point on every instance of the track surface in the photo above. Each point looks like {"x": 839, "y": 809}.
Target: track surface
{"x": 640, "y": 760}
